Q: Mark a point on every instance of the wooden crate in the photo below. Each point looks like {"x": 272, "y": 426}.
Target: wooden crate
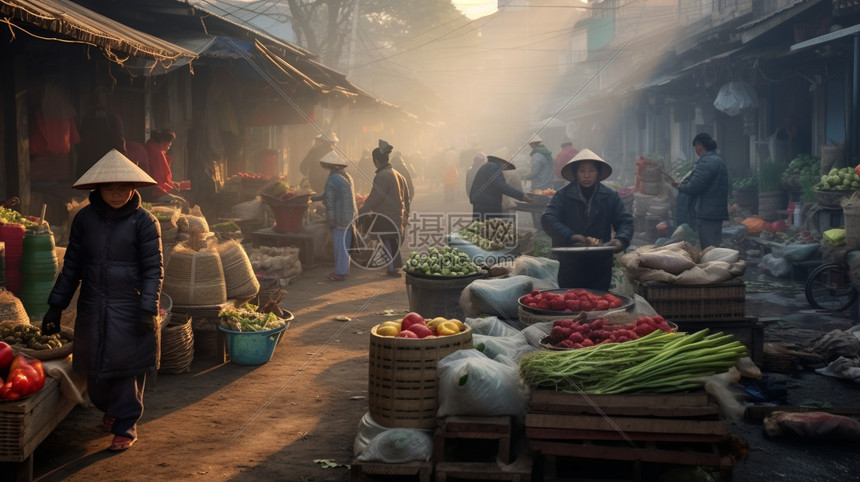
{"x": 677, "y": 429}
{"x": 364, "y": 471}
{"x": 461, "y": 435}
{"x": 519, "y": 471}
{"x": 25, "y": 424}
{"x": 703, "y": 302}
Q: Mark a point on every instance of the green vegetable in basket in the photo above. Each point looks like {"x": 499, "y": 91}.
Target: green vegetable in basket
{"x": 247, "y": 318}
{"x": 446, "y": 261}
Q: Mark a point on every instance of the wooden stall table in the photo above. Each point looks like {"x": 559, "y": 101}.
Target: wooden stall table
{"x": 303, "y": 241}
{"x": 26, "y": 423}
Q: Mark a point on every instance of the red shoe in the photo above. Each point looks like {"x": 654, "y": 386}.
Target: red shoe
{"x": 337, "y": 277}
{"x": 107, "y": 423}
{"x": 121, "y": 443}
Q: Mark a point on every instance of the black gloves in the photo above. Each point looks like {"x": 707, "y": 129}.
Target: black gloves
{"x": 147, "y": 323}
{"x": 51, "y": 321}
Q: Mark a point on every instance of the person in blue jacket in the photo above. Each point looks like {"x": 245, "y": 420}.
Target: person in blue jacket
{"x": 586, "y": 208}
{"x": 114, "y": 255}
{"x": 338, "y": 197}
{"x": 708, "y": 184}
{"x": 489, "y": 186}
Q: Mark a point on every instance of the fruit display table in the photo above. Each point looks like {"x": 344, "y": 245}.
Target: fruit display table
{"x": 26, "y": 423}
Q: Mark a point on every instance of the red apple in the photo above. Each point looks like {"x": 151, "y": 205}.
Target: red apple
{"x": 411, "y": 319}
{"x": 406, "y": 334}
{"x": 421, "y": 330}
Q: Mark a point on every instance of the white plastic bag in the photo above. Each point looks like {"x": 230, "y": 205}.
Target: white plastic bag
{"x": 779, "y": 267}
{"x": 542, "y": 268}
{"x": 472, "y": 384}
{"x": 491, "y": 326}
{"x": 498, "y": 297}
{"x": 397, "y": 446}
{"x": 735, "y": 96}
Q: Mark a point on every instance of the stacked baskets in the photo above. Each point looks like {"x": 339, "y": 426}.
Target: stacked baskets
{"x": 195, "y": 278}
{"x": 177, "y": 345}
{"x": 239, "y": 278}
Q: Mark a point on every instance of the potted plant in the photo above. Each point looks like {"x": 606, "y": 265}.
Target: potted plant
{"x": 745, "y": 193}
{"x": 771, "y": 195}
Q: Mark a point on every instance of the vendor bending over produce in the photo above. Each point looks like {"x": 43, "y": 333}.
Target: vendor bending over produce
{"x": 584, "y": 213}
{"x": 114, "y": 253}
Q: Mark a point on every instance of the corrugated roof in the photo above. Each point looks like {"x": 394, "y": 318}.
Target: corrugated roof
{"x": 74, "y": 21}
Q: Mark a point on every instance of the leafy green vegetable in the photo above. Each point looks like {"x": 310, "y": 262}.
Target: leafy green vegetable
{"x": 247, "y": 318}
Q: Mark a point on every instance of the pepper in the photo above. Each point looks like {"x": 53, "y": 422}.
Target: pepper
{"x": 26, "y": 377}
{"x": 447, "y": 328}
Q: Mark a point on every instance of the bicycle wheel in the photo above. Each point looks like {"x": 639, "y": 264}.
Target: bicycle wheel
{"x": 829, "y": 288}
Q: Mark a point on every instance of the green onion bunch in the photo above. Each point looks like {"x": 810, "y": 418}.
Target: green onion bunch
{"x": 659, "y": 362}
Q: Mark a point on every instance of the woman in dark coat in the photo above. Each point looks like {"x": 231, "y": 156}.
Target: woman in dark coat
{"x": 114, "y": 253}
{"x": 585, "y": 208}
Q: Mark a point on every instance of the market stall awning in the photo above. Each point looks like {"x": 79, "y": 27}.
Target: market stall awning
{"x": 88, "y": 27}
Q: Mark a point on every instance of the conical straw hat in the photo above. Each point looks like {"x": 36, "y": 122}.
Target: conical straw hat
{"x": 569, "y": 170}
{"x": 113, "y": 167}
{"x": 332, "y": 159}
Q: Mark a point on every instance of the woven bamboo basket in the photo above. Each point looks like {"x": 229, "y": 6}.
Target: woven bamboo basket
{"x": 402, "y": 386}
{"x": 239, "y": 278}
{"x": 851, "y": 210}
{"x": 177, "y": 345}
{"x": 195, "y": 277}
{"x": 11, "y": 308}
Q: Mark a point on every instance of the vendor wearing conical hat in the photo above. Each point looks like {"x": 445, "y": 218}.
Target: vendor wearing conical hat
{"x": 585, "y": 213}
{"x": 489, "y": 186}
{"x": 114, "y": 254}
{"x": 338, "y": 197}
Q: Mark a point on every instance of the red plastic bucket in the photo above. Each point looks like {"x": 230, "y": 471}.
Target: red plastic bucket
{"x": 12, "y": 235}
{"x": 289, "y": 218}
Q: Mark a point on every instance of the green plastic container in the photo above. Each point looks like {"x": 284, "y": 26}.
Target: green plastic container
{"x": 252, "y": 347}
{"x": 38, "y": 271}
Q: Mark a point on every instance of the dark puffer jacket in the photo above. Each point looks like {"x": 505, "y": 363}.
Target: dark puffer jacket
{"x": 708, "y": 184}
{"x": 116, "y": 258}
{"x": 566, "y": 215}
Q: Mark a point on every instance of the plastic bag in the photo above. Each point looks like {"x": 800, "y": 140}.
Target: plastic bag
{"x": 495, "y": 346}
{"x": 735, "y": 96}
{"x": 795, "y": 252}
{"x": 491, "y": 326}
{"x": 779, "y": 267}
{"x": 498, "y": 297}
{"x": 671, "y": 261}
{"x": 719, "y": 254}
{"x": 812, "y": 425}
{"x": 472, "y": 384}
{"x": 397, "y": 446}
{"x": 541, "y": 268}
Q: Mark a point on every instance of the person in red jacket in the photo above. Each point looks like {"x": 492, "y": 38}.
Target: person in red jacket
{"x": 567, "y": 153}
{"x": 159, "y": 168}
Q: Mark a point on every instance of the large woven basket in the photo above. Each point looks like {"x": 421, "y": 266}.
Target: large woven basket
{"x": 402, "y": 387}
{"x": 851, "y": 210}
{"x": 195, "y": 278}
{"x": 177, "y": 345}
{"x": 239, "y": 278}
{"x": 831, "y": 199}
{"x": 11, "y": 308}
